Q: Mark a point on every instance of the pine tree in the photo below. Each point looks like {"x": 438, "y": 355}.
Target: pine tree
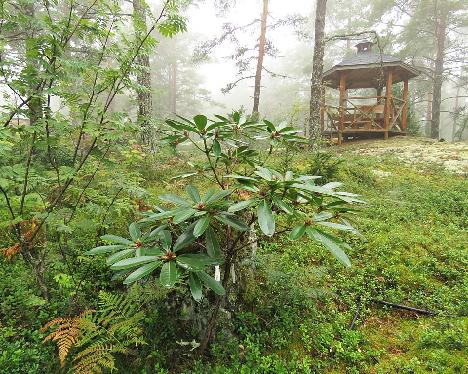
{"x": 261, "y": 55}
{"x": 316, "y": 86}
{"x": 436, "y": 25}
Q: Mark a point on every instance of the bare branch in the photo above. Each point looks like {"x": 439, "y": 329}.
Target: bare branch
{"x": 8, "y": 202}
{"x": 230, "y": 86}
{"x": 273, "y": 74}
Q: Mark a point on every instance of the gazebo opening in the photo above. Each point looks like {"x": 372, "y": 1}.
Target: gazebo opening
{"x": 364, "y": 47}
{"x": 366, "y": 114}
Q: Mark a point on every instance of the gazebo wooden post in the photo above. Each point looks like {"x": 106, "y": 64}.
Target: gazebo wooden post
{"x": 342, "y": 108}
{"x": 388, "y": 102}
{"x": 404, "y": 114}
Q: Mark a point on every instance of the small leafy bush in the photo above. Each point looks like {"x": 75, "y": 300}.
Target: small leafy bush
{"x": 184, "y": 238}
{"x": 324, "y": 164}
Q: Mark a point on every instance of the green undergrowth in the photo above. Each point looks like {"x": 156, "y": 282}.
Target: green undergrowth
{"x": 413, "y": 253}
{"x": 295, "y": 310}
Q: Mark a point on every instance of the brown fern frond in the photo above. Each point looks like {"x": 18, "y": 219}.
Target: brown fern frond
{"x": 63, "y": 321}
{"x": 65, "y": 343}
{"x": 65, "y": 340}
{"x": 66, "y": 334}
{"x": 11, "y": 252}
{"x": 55, "y": 321}
{"x": 63, "y": 326}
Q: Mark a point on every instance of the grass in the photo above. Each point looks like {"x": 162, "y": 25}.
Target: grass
{"x": 296, "y": 313}
{"x": 414, "y": 253}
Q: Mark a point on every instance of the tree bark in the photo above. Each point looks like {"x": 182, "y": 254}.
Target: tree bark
{"x": 441, "y": 28}
{"x": 145, "y": 104}
{"x": 261, "y": 55}
{"x": 35, "y": 113}
{"x": 230, "y": 259}
{"x": 456, "y": 114}
{"x": 428, "y": 115}
{"x": 211, "y": 325}
{"x": 317, "y": 72}
{"x": 36, "y": 263}
{"x": 173, "y": 91}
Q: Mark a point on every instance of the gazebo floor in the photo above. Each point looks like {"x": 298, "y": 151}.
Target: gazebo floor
{"x": 361, "y": 133}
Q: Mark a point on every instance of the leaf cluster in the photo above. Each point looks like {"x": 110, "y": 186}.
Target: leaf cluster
{"x": 187, "y": 235}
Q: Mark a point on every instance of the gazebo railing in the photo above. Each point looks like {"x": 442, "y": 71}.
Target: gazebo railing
{"x": 397, "y": 107}
{"x": 330, "y": 118}
{"x": 368, "y": 117}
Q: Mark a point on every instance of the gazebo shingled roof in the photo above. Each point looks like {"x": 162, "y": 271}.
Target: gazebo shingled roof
{"x": 364, "y": 70}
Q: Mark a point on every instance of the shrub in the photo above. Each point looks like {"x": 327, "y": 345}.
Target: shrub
{"x": 189, "y": 235}
{"x": 324, "y": 164}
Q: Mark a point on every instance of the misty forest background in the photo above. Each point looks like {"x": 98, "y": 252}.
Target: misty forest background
{"x": 168, "y": 203}
{"x": 211, "y": 67}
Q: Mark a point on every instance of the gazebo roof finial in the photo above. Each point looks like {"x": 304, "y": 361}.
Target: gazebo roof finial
{"x": 364, "y": 46}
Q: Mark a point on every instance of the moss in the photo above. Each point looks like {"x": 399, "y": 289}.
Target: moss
{"x": 414, "y": 253}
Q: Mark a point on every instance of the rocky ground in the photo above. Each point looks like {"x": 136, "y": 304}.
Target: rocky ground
{"x": 419, "y": 152}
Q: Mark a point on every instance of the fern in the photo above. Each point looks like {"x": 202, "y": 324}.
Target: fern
{"x": 93, "y": 358}
{"x": 97, "y": 336}
{"x": 65, "y": 335}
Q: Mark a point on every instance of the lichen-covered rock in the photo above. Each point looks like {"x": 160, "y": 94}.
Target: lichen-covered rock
{"x": 453, "y": 157}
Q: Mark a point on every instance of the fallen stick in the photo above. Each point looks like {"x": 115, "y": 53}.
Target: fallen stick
{"x": 356, "y": 314}
{"x": 405, "y": 307}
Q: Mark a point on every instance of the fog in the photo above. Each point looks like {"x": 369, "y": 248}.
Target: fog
{"x": 210, "y": 66}
{"x": 285, "y": 85}
{"x": 205, "y": 23}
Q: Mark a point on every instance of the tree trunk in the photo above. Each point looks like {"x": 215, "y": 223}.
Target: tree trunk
{"x": 35, "y": 113}
{"x": 173, "y": 90}
{"x": 145, "y": 104}
{"x": 261, "y": 54}
{"x": 456, "y": 112}
{"x": 32, "y": 257}
{"x": 440, "y": 32}
{"x": 35, "y": 105}
{"x": 428, "y": 115}
{"x": 317, "y": 72}
{"x": 212, "y": 321}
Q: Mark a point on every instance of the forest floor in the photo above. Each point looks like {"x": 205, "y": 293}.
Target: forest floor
{"x": 414, "y": 253}
{"x": 424, "y": 152}
{"x": 296, "y": 310}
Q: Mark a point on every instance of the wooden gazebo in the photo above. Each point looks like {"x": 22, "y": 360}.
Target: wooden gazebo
{"x": 365, "y": 115}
